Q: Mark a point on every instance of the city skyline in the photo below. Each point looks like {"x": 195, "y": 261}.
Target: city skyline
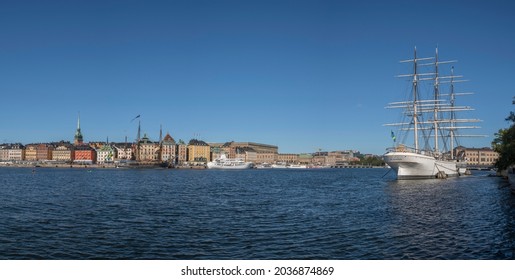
{"x": 301, "y": 75}
{"x": 162, "y": 134}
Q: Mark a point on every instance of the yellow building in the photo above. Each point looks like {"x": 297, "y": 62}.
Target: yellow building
{"x": 31, "y": 152}
{"x": 63, "y": 152}
{"x": 478, "y": 156}
{"x": 289, "y": 158}
{"x": 198, "y": 151}
{"x": 266, "y": 157}
{"x": 146, "y": 150}
{"x": 182, "y": 152}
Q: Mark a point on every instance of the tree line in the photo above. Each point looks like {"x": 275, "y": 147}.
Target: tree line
{"x": 504, "y": 143}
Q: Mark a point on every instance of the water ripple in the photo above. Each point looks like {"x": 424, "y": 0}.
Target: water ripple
{"x": 253, "y": 214}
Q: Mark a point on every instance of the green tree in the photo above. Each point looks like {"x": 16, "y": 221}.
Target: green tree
{"x": 373, "y": 160}
{"x": 504, "y": 144}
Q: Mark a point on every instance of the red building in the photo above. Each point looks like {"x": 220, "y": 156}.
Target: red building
{"x": 84, "y": 154}
{"x": 44, "y": 151}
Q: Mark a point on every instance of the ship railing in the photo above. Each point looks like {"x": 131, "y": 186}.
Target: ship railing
{"x": 405, "y": 149}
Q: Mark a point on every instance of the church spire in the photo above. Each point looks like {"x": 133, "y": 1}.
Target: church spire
{"x": 78, "y": 140}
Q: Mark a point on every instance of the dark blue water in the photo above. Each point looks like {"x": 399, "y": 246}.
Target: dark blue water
{"x": 251, "y": 214}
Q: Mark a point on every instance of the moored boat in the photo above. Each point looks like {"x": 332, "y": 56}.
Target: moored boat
{"x": 432, "y": 120}
{"x": 229, "y": 163}
{"x": 297, "y": 166}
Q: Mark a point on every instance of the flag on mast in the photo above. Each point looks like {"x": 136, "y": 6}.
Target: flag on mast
{"x": 393, "y": 135}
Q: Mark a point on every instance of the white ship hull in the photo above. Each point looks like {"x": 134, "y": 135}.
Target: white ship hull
{"x": 409, "y": 165}
{"x": 229, "y": 163}
{"x": 214, "y": 165}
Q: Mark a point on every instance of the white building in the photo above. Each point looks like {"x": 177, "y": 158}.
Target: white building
{"x": 168, "y": 148}
{"x": 106, "y": 154}
{"x": 12, "y": 152}
{"x": 124, "y": 151}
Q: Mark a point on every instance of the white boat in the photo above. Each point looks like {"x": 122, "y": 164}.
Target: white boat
{"x": 279, "y": 165}
{"x": 229, "y": 163}
{"x": 430, "y": 122}
{"x": 283, "y": 165}
{"x": 264, "y": 166}
{"x": 297, "y": 166}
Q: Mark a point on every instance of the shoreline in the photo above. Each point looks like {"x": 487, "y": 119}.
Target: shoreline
{"x": 151, "y": 166}
{"x": 94, "y": 166}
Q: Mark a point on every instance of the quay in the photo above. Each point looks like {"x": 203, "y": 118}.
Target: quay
{"x": 357, "y": 166}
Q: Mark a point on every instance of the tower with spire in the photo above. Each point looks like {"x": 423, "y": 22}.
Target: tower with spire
{"x": 78, "y": 135}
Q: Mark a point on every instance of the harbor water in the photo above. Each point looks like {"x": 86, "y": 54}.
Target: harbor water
{"x": 323, "y": 214}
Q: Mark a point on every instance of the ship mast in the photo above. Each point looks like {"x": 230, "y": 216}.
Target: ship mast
{"x": 436, "y": 114}
{"x": 453, "y": 113}
{"x": 437, "y": 97}
{"x": 415, "y": 98}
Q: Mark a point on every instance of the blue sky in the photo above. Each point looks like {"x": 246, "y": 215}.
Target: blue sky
{"x": 301, "y": 75}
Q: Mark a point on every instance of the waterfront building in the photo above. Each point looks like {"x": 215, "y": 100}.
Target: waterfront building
{"x": 477, "y": 156}
{"x": 247, "y": 154}
{"x": 4, "y": 152}
{"x": 198, "y": 151}
{"x": 168, "y": 150}
{"x": 31, "y": 152}
{"x": 106, "y": 154}
{"x": 181, "y": 152}
{"x": 44, "y": 152}
{"x": 16, "y": 152}
{"x": 305, "y": 158}
{"x": 331, "y": 158}
{"x": 12, "y": 152}
{"x": 320, "y": 159}
{"x": 146, "y": 150}
{"x": 63, "y": 152}
{"x": 217, "y": 150}
{"x": 228, "y": 149}
{"x": 288, "y": 158}
{"x": 264, "y": 153}
{"x": 84, "y": 154}
{"x": 124, "y": 151}
{"x": 78, "y": 139}
{"x": 266, "y": 157}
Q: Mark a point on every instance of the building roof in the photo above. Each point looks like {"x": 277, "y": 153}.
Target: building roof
{"x": 11, "y": 146}
{"x": 168, "y": 139}
{"x": 196, "y": 142}
{"x": 83, "y": 148}
{"x": 240, "y": 150}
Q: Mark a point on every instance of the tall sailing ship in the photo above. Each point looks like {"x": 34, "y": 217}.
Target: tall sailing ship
{"x": 429, "y": 119}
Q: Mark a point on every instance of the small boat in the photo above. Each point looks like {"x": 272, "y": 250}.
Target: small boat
{"x": 229, "y": 163}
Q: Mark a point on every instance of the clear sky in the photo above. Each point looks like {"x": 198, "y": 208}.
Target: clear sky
{"x": 301, "y": 75}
